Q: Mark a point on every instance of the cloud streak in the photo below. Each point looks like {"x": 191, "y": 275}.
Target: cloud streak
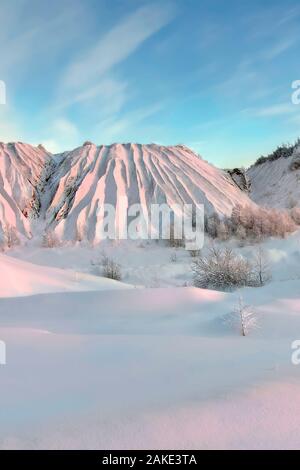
{"x": 274, "y": 110}
{"x": 280, "y": 48}
{"x": 116, "y": 45}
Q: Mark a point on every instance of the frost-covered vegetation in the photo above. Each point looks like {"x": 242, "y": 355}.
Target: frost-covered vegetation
{"x": 224, "y": 269}
{"x": 107, "y": 267}
{"x": 243, "y": 318}
{"x": 111, "y": 270}
{"x": 252, "y": 223}
{"x": 282, "y": 151}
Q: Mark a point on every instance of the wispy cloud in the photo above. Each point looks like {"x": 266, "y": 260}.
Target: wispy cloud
{"x": 30, "y": 40}
{"x": 271, "y": 21}
{"x": 110, "y": 94}
{"x": 244, "y": 78}
{"x": 91, "y": 82}
{"x": 279, "y": 48}
{"x": 114, "y": 126}
{"x": 116, "y": 45}
{"x": 274, "y": 110}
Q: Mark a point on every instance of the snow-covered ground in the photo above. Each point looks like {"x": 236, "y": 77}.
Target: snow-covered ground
{"x": 93, "y": 363}
{"x": 282, "y": 176}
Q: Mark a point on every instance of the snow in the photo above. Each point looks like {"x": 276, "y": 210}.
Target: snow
{"x": 92, "y": 367}
{"x": 282, "y": 189}
{"x": 40, "y": 191}
{"x": 148, "y": 362}
{"x": 19, "y": 278}
{"x": 22, "y": 167}
{"x": 144, "y": 174}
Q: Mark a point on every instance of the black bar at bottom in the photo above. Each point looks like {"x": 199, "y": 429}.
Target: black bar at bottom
{"x": 138, "y": 458}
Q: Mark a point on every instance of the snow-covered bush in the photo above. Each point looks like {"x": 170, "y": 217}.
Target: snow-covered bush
{"x": 243, "y": 318}
{"x": 222, "y": 269}
{"x": 111, "y": 269}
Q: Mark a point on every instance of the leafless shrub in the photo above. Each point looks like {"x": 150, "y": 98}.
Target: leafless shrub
{"x": 251, "y": 224}
{"x": 222, "y": 269}
{"x": 261, "y": 267}
{"x": 111, "y": 269}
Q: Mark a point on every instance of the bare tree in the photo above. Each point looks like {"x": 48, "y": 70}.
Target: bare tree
{"x": 261, "y": 267}
{"x": 243, "y": 317}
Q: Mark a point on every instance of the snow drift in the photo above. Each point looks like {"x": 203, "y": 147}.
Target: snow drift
{"x": 20, "y": 278}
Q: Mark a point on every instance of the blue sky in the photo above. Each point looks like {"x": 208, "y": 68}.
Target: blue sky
{"x": 214, "y": 75}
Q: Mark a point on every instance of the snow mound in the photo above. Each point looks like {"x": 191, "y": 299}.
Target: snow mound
{"x": 20, "y": 278}
{"x": 153, "y": 368}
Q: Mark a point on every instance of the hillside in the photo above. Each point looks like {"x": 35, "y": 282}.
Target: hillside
{"x": 146, "y": 174}
{"x": 23, "y": 170}
{"x": 64, "y": 192}
{"x": 276, "y": 183}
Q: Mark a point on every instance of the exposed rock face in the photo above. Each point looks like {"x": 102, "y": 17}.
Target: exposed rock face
{"x": 240, "y": 178}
